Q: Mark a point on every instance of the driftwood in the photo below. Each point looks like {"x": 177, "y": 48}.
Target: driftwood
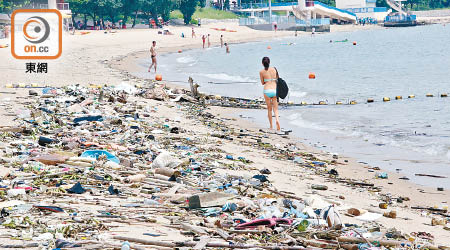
{"x": 431, "y": 175}
{"x": 431, "y": 209}
{"x": 209, "y": 244}
{"x": 202, "y": 243}
{"x": 45, "y": 175}
{"x": 167, "y": 172}
{"x": 320, "y": 244}
{"x": 223, "y": 234}
{"x": 249, "y": 231}
{"x": 194, "y": 88}
{"x": 27, "y": 245}
{"x": 194, "y": 229}
{"x": 361, "y": 184}
{"x": 290, "y": 196}
{"x": 385, "y": 243}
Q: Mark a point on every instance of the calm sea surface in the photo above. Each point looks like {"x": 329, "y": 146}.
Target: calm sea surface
{"x": 412, "y": 135}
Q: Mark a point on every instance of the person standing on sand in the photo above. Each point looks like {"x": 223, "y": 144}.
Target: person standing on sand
{"x": 209, "y": 43}
{"x": 193, "y": 33}
{"x": 6, "y": 31}
{"x": 153, "y": 55}
{"x": 227, "y": 49}
{"x": 269, "y": 77}
{"x": 221, "y": 41}
{"x": 204, "y": 40}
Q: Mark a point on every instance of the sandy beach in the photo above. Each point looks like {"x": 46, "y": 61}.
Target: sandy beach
{"x": 98, "y": 58}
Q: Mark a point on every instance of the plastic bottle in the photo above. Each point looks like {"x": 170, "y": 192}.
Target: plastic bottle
{"x": 255, "y": 182}
{"x": 125, "y": 246}
{"x": 303, "y": 225}
{"x": 151, "y": 202}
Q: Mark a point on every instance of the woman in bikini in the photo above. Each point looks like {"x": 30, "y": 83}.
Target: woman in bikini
{"x": 269, "y": 78}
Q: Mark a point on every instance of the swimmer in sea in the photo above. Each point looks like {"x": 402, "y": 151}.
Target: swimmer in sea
{"x": 153, "y": 55}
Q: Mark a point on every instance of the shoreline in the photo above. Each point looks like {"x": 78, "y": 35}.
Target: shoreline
{"x": 128, "y": 61}
{"x": 286, "y": 174}
{"x": 352, "y": 169}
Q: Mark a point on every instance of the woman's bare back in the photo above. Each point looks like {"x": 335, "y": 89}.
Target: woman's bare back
{"x": 268, "y": 78}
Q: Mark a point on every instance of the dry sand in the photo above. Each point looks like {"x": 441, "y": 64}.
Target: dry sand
{"x": 99, "y": 58}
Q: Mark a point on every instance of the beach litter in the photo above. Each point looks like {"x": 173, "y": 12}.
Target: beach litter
{"x": 107, "y": 173}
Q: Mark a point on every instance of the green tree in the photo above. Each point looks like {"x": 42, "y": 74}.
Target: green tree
{"x": 382, "y": 3}
{"x": 187, "y": 8}
{"x": 226, "y": 5}
{"x": 202, "y": 3}
{"x": 80, "y": 7}
{"x": 8, "y": 6}
{"x": 130, "y": 8}
{"x": 108, "y": 8}
{"x": 156, "y": 8}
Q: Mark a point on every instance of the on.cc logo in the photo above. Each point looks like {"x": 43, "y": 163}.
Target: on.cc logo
{"x": 36, "y": 34}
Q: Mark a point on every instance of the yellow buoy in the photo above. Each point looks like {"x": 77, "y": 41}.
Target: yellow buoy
{"x": 338, "y": 103}
{"x": 304, "y": 103}
{"x": 370, "y": 100}
{"x": 386, "y": 99}
{"x": 430, "y": 95}
{"x": 444, "y": 95}
{"x": 322, "y": 103}
{"x": 399, "y": 97}
{"x": 353, "y": 102}
{"x": 411, "y": 96}
{"x": 34, "y": 85}
{"x": 290, "y": 102}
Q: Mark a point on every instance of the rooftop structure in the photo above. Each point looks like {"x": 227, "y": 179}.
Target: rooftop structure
{"x": 364, "y": 8}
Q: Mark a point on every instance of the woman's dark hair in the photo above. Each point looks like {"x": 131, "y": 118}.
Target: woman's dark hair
{"x": 266, "y": 62}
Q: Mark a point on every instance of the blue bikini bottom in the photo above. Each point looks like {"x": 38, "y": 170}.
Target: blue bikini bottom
{"x": 270, "y": 92}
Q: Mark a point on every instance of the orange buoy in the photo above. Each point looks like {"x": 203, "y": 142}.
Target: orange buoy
{"x": 158, "y": 77}
{"x": 312, "y": 76}
{"x": 179, "y": 51}
{"x": 354, "y": 43}
{"x": 268, "y": 47}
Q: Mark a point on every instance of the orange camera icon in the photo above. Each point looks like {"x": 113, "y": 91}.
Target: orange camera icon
{"x": 36, "y": 34}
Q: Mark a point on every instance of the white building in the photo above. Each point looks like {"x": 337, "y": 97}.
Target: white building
{"x": 363, "y": 8}
{"x": 350, "y": 4}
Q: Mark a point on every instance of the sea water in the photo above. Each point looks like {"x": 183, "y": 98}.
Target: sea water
{"x": 410, "y": 136}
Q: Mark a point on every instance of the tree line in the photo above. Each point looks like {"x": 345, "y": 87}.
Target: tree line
{"x": 114, "y": 10}
{"x": 420, "y": 4}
